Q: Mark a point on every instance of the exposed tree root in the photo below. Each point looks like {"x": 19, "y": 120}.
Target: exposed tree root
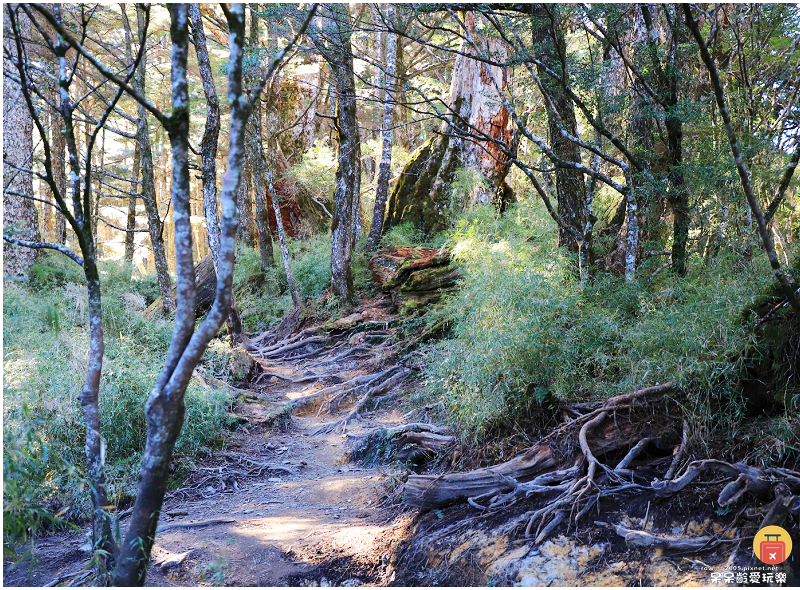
{"x": 374, "y": 391}
{"x": 570, "y": 483}
{"x": 414, "y": 443}
{"x": 279, "y": 349}
{"x": 641, "y": 539}
{"x": 338, "y": 391}
{"x": 194, "y": 525}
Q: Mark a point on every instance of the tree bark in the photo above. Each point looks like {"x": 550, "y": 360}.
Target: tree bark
{"x": 208, "y": 156}
{"x": 265, "y": 248}
{"x": 422, "y": 195}
{"x": 244, "y": 202}
{"x": 130, "y": 244}
{"x": 346, "y": 200}
{"x": 282, "y": 239}
{"x": 385, "y": 167}
{"x": 19, "y": 213}
{"x": 165, "y": 406}
{"x": 551, "y": 48}
{"x": 59, "y": 174}
{"x": 155, "y": 226}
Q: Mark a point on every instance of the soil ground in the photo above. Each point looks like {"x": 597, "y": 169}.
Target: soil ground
{"x": 308, "y": 519}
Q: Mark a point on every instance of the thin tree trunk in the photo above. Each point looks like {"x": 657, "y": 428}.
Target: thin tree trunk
{"x": 60, "y": 176}
{"x": 208, "y": 154}
{"x": 100, "y": 175}
{"x": 244, "y": 203}
{"x": 130, "y": 244}
{"x": 550, "y": 47}
{"x": 282, "y": 239}
{"x": 165, "y": 406}
{"x": 784, "y": 279}
{"x": 155, "y": 226}
{"x": 632, "y": 229}
{"x": 348, "y": 173}
{"x": 265, "y": 248}
{"x": 385, "y": 168}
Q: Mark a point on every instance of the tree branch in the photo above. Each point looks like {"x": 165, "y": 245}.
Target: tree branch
{"x": 44, "y": 245}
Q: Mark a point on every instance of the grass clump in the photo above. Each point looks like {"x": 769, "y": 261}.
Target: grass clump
{"x": 45, "y": 357}
{"x": 524, "y": 328}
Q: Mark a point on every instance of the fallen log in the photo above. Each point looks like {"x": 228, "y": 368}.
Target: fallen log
{"x": 641, "y": 539}
{"x": 596, "y": 433}
{"x": 427, "y": 492}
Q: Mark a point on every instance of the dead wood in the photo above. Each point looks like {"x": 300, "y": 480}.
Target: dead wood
{"x": 346, "y": 388}
{"x": 748, "y": 479}
{"x": 427, "y": 492}
{"x": 679, "y": 451}
{"x": 274, "y": 351}
{"x": 390, "y": 432}
{"x": 641, "y": 539}
{"x": 193, "y": 525}
{"x": 579, "y": 479}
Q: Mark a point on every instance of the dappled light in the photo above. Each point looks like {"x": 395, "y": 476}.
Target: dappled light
{"x": 369, "y": 294}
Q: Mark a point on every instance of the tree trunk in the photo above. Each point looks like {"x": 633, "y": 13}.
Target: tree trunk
{"x": 130, "y": 244}
{"x": 346, "y": 200}
{"x": 208, "y": 155}
{"x": 244, "y": 203}
{"x": 423, "y": 195}
{"x": 260, "y": 181}
{"x": 385, "y": 168}
{"x": 155, "y": 226}
{"x": 59, "y": 175}
{"x": 20, "y": 218}
{"x": 282, "y": 239}
{"x": 551, "y": 49}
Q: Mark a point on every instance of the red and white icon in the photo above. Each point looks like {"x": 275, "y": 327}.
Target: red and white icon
{"x": 772, "y": 552}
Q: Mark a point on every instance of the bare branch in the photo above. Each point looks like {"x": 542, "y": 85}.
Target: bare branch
{"x": 44, "y": 245}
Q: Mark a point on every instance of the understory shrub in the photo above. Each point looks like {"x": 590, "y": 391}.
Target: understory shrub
{"x": 264, "y": 299}
{"x": 523, "y": 326}
{"x": 45, "y": 356}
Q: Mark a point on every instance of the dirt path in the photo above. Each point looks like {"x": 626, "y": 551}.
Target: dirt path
{"x": 278, "y": 505}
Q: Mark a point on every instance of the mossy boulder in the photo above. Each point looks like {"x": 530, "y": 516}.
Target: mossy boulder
{"x": 241, "y": 365}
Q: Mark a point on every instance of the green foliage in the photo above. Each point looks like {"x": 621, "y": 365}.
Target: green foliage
{"x": 264, "y": 299}
{"x": 317, "y": 171}
{"x": 44, "y": 370}
{"x": 405, "y": 234}
{"x": 523, "y": 327}
{"x": 25, "y": 461}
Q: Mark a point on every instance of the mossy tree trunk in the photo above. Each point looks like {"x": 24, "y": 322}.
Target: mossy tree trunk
{"x": 475, "y": 121}
{"x": 551, "y": 49}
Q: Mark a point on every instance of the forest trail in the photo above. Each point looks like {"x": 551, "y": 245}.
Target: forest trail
{"x": 278, "y": 505}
